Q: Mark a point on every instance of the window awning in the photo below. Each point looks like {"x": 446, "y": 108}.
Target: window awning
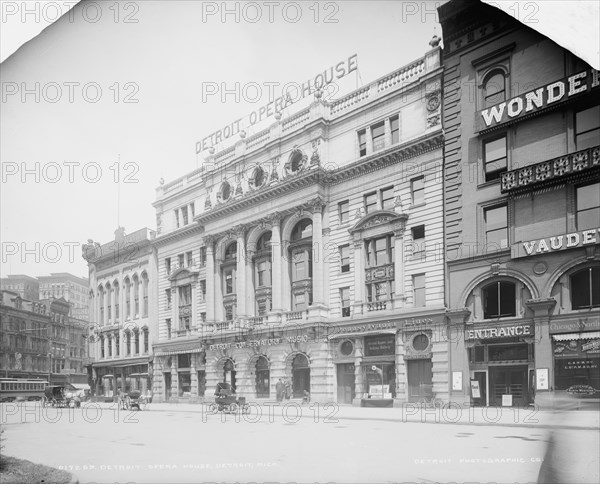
{"x": 576, "y": 336}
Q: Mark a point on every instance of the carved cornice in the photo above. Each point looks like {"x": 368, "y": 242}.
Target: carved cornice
{"x": 182, "y": 233}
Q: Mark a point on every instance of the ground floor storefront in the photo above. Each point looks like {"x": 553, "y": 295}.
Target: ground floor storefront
{"x": 126, "y": 375}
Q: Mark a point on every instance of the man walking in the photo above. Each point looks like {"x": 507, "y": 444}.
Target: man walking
{"x": 279, "y": 390}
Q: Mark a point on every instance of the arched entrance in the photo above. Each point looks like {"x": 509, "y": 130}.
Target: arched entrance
{"x": 263, "y": 377}
{"x": 229, "y": 372}
{"x": 300, "y": 375}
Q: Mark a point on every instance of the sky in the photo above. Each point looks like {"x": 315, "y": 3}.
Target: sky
{"x": 114, "y": 96}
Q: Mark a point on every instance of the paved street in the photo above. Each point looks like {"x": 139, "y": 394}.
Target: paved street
{"x": 175, "y": 443}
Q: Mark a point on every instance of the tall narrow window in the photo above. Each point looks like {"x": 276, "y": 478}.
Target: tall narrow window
{"x": 378, "y": 134}
{"x": 168, "y": 265}
{"x": 301, "y": 264}
{"x": 499, "y": 300}
{"x": 203, "y": 290}
{"x": 387, "y": 198}
{"x": 177, "y": 218}
{"x": 127, "y": 298}
{"x": 344, "y": 211}
{"x": 395, "y": 127}
{"x": 184, "y": 215}
{"x": 362, "y": 142}
{"x": 168, "y": 325}
{"x": 588, "y": 206}
{"x": 418, "y": 235}
{"x": 202, "y": 256}
{"x": 496, "y": 227}
{"x": 168, "y": 299}
{"x": 117, "y": 295}
{"x": 145, "y": 295}
{"x": 494, "y": 158}
{"x": 417, "y": 188}
{"x": 585, "y": 288}
{"x": 345, "y": 301}
{"x": 344, "y": 258}
{"x": 370, "y": 202}
{"x": 136, "y": 295}
{"x": 494, "y": 88}
{"x": 192, "y": 209}
{"x": 181, "y": 260}
{"x": 419, "y": 290}
{"x": 587, "y": 128}
{"x": 189, "y": 259}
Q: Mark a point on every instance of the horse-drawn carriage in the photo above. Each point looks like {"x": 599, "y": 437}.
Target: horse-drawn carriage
{"x": 61, "y": 396}
{"x": 227, "y": 401}
{"x": 134, "y": 400}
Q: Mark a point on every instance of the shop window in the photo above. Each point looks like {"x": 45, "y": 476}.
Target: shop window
{"x": 585, "y": 288}
{"x": 508, "y": 352}
{"x": 419, "y": 290}
{"x": 494, "y": 158}
{"x": 362, "y": 142}
{"x": 201, "y": 383}
{"x": 499, "y": 300}
{"x": 477, "y": 354}
{"x": 370, "y": 200}
{"x": 588, "y": 206}
{"x": 496, "y": 227}
{"x": 185, "y": 384}
{"x": 494, "y": 88}
{"x": 345, "y": 301}
{"x": 345, "y": 258}
{"x": 417, "y": 189}
{"x": 184, "y": 361}
{"x": 344, "y": 211}
{"x": 587, "y": 128}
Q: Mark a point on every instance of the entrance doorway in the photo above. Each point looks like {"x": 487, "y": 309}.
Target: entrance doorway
{"x": 167, "y": 386}
{"x": 263, "y": 379}
{"x": 300, "y": 375}
{"x": 420, "y": 376}
{"x": 509, "y": 380}
{"x": 345, "y": 383}
{"x": 229, "y": 373}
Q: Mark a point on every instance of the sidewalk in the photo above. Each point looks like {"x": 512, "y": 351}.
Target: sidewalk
{"x": 449, "y": 414}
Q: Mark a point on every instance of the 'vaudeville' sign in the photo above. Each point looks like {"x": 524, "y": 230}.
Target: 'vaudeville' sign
{"x": 538, "y": 99}
{"x": 555, "y": 243}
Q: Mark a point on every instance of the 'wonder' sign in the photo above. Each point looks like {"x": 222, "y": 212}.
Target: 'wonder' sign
{"x": 538, "y": 99}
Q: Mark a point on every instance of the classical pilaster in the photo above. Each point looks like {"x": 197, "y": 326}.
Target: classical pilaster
{"x": 318, "y": 252}
{"x": 276, "y": 263}
{"x": 458, "y": 355}
{"x": 209, "y": 242}
{"x": 174, "y": 379}
{"x": 193, "y": 378}
{"x": 359, "y": 270}
{"x": 359, "y": 387}
{"x": 399, "y": 267}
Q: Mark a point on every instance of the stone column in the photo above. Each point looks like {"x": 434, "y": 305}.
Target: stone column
{"x": 399, "y": 268}
{"x": 193, "y": 378}
{"x": 174, "y": 379}
{"x": 318, "y": 252}
{"x": 359, "y": 387}
{"x": 240, "y": 278}
{"x": 209, "y": 242}
{"x": 276, "y": 263}
{"x": 359, "y": 270}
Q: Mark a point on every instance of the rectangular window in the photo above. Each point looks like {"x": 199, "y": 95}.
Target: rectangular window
{"x": 177, "y": 218}
{"x": 184, "y": 215}
{"x": 168, "y": 265}
{"x": 362, "y": 142}
{"x": 168, "y": 324}
{"x": 192, "y": 209}
{"x": 496, "y": 227}
{"x": 370, "y": 202}
{"x": 189, "y": 259}
{"x": 494, "y": 158}
{"x": 185, "y": 295}
{"x": 395, "y": 125}
{"x": 262, "y": 271}
{"x": 417, "y": 189}
{"x": 587, "y": 128}
{"x": 184, "y": 361}
{"x": 299, "y": 302}
{"x": 229, "y": 285}
{"x": 181, "y": 260}
{"x": 387, "y": 198}
{"x": 345, "y": 299}
{"x": 419, "y": 290}
{"x": 418, "y": 235}
{"x": 202, "y": 256}
{"x": 344, "y": 211}
{"x": 203, "y": 317}
{"x": 380, "y": 251}
{"x": 378, "y": 136}
{"x": 203, "y": 290}
{"x": 229, "y": 313}
{"x": 588, "y": 206}
{"x": 344, "y": 258}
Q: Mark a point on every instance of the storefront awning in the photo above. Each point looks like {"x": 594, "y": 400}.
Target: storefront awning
{"x": 354, "y": 335}
{"x": 178, "y": 352}
{"x": 121, "y": 363}
{"x": 576, "y": 336}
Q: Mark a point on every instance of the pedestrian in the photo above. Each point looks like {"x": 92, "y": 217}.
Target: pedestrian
{"x": 287, "y": 389}
{"x": 279, "y": 390}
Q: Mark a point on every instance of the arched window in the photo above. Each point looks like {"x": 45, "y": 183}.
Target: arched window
{"x": 258, "y": 177}
{"x": 301, "y": 264}
{"x": 109, "y": 296}
{"x": 127, "y": 298}
{"x": 136, "y": 336}
{"x": 145, "y": 295}
{"x": 585, "y": 288}
{"x": 136, "y": 296}
{"x": 225, "y": 191}
{"x": 494, "y": 88}
{"x": 296, "y": 162}
{"x": 263, "y": 379}
{"x": 499, "y": 300}
{"x": 262, "y": 274}
{"x": 117, "y": 295}
{"x": 231, "y": 252}
{"x": 128, "y": 343}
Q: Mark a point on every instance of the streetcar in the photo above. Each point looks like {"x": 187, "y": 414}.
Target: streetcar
{"x": 21, "y": 389}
